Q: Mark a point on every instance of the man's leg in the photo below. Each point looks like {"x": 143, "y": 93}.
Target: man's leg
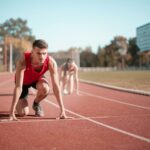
{"x": 71, "y": 85}
{"x": 42, "y": 91}
{"x": 65, "y": 84}
{"x": 22, "y": 105}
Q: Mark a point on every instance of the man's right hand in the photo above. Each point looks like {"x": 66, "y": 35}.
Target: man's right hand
{"x": 64, "y": 116}
{"x": 12, "y": 117}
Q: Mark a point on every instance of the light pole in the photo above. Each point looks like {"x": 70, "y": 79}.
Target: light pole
{"x": 10, "y": 59}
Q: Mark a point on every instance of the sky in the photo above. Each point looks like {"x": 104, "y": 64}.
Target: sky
{"x": 78, "y": 23}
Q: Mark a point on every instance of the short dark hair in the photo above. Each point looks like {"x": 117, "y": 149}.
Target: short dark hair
{"x": 40, "y": 44}
{"x": 69, "y": 60}
{"x": 66, "y": 65}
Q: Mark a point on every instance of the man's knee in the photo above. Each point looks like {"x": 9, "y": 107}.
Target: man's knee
{"x": 43, "y": 89}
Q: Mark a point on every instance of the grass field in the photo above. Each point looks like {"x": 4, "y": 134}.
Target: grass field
{"x": 138, "y": 80}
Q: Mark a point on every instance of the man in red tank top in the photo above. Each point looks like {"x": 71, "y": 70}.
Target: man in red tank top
{"x": 30, "y": 71}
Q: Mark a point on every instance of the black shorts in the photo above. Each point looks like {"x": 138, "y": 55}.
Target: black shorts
{"x": 25, "y": 90}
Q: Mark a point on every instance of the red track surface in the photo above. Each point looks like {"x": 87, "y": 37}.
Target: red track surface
{"x": 104, "y": 119}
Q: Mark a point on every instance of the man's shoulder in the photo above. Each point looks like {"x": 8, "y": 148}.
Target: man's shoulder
{"x": 52, "y": 63}
{"x": 21, "y": 61}
{"x": 75, "y": 66}
{"x": 51, "y": 59}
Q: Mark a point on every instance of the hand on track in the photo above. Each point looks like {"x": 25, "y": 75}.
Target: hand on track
{"x": 13, "y": 118}
{"x": 64, "y": 116}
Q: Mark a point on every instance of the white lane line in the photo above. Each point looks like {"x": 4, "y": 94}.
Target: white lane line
{"x": 6, "y": 121}
{"x": 36, "y": 119}
{"x": 119, "y": 116}
{"x": 21, "y": 120}
{"x": 147, "y": 93}
{"x": 113, "y": 100}
{"x": 102, "y": 124}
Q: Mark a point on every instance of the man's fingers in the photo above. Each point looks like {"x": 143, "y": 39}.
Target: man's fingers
{"x": 12, "y": 118}
{"x": 64, "y": 117}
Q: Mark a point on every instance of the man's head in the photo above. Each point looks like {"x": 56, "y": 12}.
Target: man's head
{"x": 39, "y": 51}
{"x": 40, "y": 44}
{"x": 69, "y": 62}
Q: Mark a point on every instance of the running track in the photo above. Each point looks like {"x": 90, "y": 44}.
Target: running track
{"x": 104, "y": 119}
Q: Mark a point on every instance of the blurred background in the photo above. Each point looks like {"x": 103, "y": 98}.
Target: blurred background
{"x": 100, "y": 35}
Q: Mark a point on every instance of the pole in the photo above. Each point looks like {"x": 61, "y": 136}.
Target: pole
{"x": 10, "y": 59}
{"x": 5, "y": 57}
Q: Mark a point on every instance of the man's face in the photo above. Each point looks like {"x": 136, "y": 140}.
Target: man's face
{"x": 39, "y": 54}
{"x": 70, "y": 65}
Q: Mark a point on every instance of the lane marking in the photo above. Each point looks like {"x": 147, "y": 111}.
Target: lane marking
{"x": 102, "y": 124}
{"x": 118, "y": 116}
{"x": 43, "y": 120}
{"x": 39, "y": 119}
{"x": 134, "y": 91}
{"x": 6, "y": 121}
{"x": 81, "y": 117}
{"x": 113, "y": 100}
{"x": 94, "y": 121}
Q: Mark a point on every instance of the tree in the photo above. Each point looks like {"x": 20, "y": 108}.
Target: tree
{"x": 133, "y": 51}
{"x": 16, "y": 28}
{"x": 87, "y": 58}
{"x": 16, "y": 33}
{"x": 122, "y": 47}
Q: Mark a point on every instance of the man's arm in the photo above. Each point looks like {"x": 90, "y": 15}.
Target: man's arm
{"x": 18, "y": 87}
{"x": 56, "y": 88}
{"x": 61, "y": 78}
{"x": 60, "y": 74}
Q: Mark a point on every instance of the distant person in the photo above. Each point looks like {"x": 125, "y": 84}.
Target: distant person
{"x": 30, "y": 71}
{"x": 68, "y": 75}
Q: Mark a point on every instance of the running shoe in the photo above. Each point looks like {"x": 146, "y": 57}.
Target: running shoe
{"x": 38, "y": 110}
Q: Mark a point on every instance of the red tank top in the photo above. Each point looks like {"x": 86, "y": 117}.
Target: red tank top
{"x": 30, "y": 75}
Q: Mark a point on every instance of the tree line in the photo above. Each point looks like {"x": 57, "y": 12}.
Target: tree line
{"x": 120, "y": 52}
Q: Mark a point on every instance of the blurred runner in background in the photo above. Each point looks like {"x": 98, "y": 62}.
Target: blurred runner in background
{"x": 68, "y": 74}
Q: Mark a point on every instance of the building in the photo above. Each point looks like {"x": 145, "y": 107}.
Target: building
{"x": 143, "y": 37}
{"x": 143, "y": 42}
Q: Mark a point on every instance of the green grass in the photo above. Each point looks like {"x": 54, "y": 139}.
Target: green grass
{"x": 139, "y": 80}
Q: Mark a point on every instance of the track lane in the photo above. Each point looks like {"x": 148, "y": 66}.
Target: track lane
{"x": 92, "y": 136}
